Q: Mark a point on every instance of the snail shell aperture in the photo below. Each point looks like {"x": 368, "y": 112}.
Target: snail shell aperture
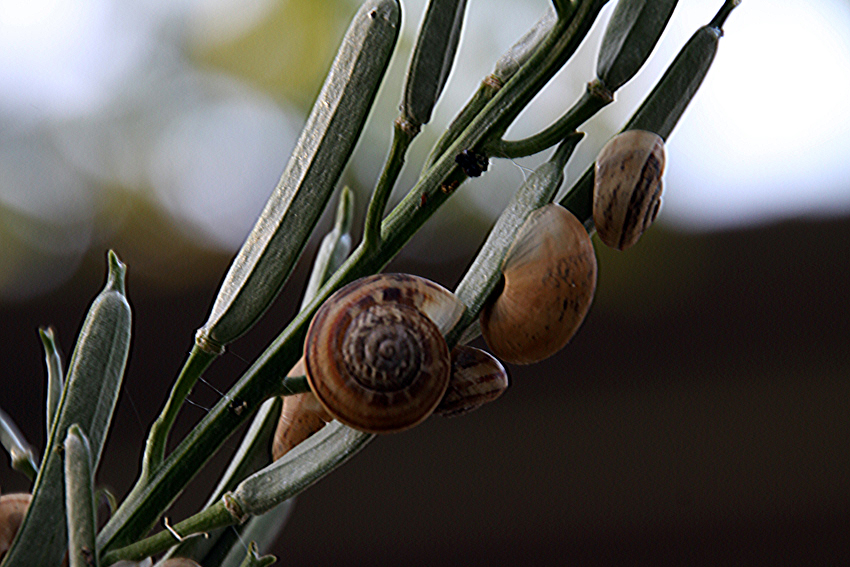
{"x": 627, "y": 187}
{"x": 375, "y": 354}
{"x": 549, "y": 280}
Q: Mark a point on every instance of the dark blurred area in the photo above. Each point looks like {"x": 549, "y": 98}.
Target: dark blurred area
{"x": 698, "y": 418}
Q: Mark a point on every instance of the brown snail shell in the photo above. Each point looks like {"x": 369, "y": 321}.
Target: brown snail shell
{"x": 301, "y": 416}
{"x": 549, "y": 280}
{"x": 477, "y": 378}
{"x": 13, "y": 508}
{"x": 375, "y": 354}
{"x": 627, "y": 187}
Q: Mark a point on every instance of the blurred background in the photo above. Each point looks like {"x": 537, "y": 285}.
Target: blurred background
{"x": 699, "y": 417}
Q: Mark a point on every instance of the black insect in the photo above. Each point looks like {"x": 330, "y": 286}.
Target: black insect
{"x": 473, "y": 164}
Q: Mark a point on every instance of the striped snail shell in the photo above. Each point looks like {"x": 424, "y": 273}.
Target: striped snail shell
{"x": 375, "y": 354}
{"x": 627, "y": 187}
{"x": 13, "y": 508}
{"x": 477, "y": 378}
{"x": 549, "y": 276}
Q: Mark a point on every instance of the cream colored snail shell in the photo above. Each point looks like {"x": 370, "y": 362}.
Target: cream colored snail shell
{"x": 549, "y": 280}
{"x": 13, "y": 508}
{"x": 301, "y": 416}
{"x": 627, "y": 187}
{"x": 375, "y": 354}
{"x": 477, "y": 378}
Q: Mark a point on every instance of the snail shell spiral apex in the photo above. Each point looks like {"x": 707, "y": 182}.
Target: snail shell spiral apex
{"x": 549, "y": 280}
{"x": 375, "y": 354}
{"x": 627, "y": 187}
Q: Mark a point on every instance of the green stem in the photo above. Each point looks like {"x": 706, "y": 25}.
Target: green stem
{"x": 403, "y": 135}
{"x": 215, "y": 516}
{"x": 595, "y": 97}
{"x": 198, "y": 361}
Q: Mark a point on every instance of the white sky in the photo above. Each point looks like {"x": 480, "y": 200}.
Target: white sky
{"x": 765, "y": 139}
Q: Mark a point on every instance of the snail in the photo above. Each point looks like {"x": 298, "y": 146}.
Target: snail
{"x": 627, "y": 187}
{"x": 375, "y": 358}
{"x": 301, "y": 416}
{"x": 549, "y": 277}
{"x": 477, "y": 378}
{"x": 13, "y": 508}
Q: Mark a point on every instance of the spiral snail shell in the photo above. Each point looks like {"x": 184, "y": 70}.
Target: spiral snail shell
{"x": 375, "y": 354}
{"x": 549, "y": 280}
{"x": 627, "y": 187}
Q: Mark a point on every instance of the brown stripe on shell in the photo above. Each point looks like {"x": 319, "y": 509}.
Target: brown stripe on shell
{"x": 627, "y": 187}
{"x": 477, "y": 378}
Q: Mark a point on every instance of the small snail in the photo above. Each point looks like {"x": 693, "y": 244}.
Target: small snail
{"x": 627, "y": 187}
{"x": 301, "y": 416}
{"x": 13, "y": 508}
{"x": 375, "y": 354}
{"x": 477, "y": 378}
{"x": 549, "y": 279}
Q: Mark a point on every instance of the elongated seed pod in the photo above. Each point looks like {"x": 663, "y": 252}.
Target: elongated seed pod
{"x": 631, "y": 35}
{"x": 432, "y": 59}
{"x": 79, "y": 498}
{"x": 265, "y": 261}
{"x": 91, "y": 391}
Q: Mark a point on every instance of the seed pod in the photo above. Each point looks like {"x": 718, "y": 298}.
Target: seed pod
{"x": 627, "y": 187}
{"x": 13, "y": 508}
{"x": 91, "y": 391}
{"x": 432, "y": 59}
{"x": 549, "y": 281}
{"x": 477, "y": 378}
{"x": 631, "y": 35}
{"x": 266, "y": 259}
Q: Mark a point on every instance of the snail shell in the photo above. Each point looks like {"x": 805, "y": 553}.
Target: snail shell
{"x": 375, "y": 354}
{"x": 549, "y": 280}
{"x": 477, "y": 378}
{"x": 627, "y": 187}
{"x": 300, "y": 416}
{"x": 13, "y": 508}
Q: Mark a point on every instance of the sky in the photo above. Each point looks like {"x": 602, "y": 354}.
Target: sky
{"x": 103, "y": 91}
